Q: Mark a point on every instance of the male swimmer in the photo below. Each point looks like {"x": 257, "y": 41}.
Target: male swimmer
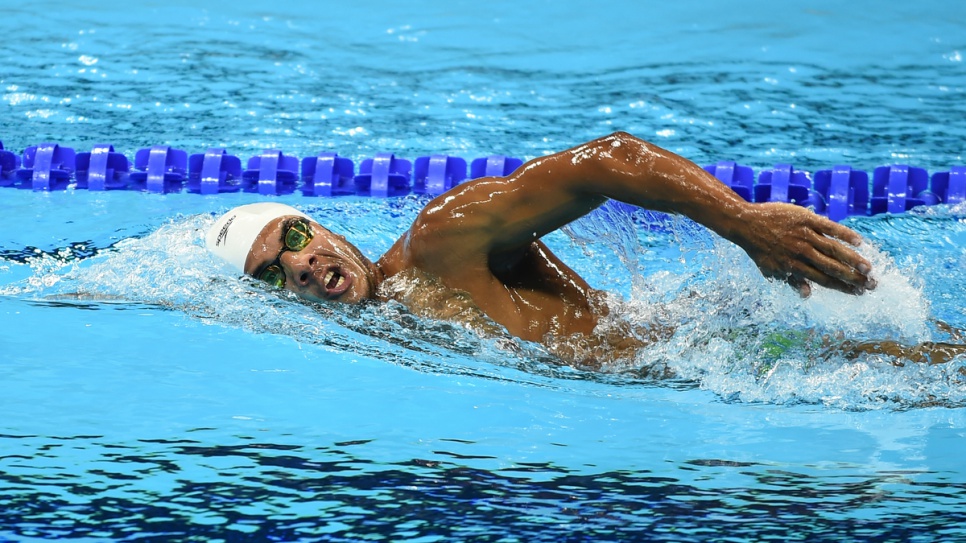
{"x": 474, "y": 253}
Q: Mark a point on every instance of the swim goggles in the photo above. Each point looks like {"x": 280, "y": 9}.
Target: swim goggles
{"x": 297, "y": 236}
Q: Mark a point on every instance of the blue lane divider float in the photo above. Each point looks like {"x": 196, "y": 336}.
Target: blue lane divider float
{"x": 271, "y": 173}
{"x": 950, "y": 186}
{"x": 842, "y": 191}
{"x": 9, "y": 164}
{"x": 385, "y": 175}
{"x": 214, "y": 172}
{"x": 327, "y": 175}
{"x": 783, "y": 183}
{"x": 102, "y": 169}
{"x": 839, "y": 192}
{"x": 47, "y": 166}
{"x": 896, "y": 189}
{"x": 846, "y": 191}
{"x": 494, "y": 166}
{"x": 437, "y": 174}
{"x": 741, "y": 179}
{"x": 159, "y": 169}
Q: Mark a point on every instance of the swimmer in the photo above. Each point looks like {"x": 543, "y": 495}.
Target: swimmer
{"x": 474, "y": 254}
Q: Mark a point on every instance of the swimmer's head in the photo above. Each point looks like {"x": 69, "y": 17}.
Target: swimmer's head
{"x": 232, "y": 236}
{"x": 284, "y": 247}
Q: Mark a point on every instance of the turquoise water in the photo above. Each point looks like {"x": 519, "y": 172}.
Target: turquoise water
{"x": 151, "y": 393}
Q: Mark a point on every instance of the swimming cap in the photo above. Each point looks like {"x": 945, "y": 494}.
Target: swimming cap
{"x": 233, "y": 233}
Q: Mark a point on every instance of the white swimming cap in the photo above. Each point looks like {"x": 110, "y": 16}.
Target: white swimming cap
{"x": 233, "y": 234}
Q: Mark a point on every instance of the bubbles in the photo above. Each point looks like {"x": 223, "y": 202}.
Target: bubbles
{"x": 896, "y": 309}
{"x": 171, "y": 269}
{"x": 711, "y": 319}
{"x": 753, "y": 340}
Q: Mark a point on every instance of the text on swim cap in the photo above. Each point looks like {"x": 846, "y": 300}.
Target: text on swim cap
{"x": 224, "y": 231}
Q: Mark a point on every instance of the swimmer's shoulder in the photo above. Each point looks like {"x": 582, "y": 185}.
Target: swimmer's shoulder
{"x": 452, "y": 230}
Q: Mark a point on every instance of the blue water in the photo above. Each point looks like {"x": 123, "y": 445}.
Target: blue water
{"x": 152, "y": 394}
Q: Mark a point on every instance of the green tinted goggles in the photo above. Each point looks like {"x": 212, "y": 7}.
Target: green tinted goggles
{"x": 297, "y": 236}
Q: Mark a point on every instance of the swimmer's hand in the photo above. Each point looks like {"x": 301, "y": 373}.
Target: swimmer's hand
{"x": 793, "y": 244}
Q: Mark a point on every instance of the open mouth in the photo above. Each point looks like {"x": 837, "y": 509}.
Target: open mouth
{"x": 334, "y": 282}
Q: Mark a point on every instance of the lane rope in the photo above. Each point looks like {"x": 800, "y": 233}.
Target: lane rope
{"x": 838, "y": 192}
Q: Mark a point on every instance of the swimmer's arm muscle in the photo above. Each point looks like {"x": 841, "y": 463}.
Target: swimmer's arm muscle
{"x": 785, "y": 241}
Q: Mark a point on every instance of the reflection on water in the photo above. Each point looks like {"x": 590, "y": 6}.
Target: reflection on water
{"x": 257, "y": 491}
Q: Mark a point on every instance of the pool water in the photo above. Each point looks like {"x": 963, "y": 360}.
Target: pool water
{"x": 153, "y": 394}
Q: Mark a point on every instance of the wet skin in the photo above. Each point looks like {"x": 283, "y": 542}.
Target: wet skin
{"x": 482, "y": 238}
{"x": 328, "y": 268}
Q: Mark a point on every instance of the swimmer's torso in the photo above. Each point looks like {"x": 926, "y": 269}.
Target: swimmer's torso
{"x": 530, "y": 292}
{"x": 483, "y": 241}
{"x": 533, "y": 296}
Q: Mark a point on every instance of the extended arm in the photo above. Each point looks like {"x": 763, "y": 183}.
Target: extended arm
{"x": 785, "y": 241}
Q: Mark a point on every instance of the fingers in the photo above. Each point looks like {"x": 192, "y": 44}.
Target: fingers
{"x": 836, "y": 230}
{"x": 836, "y": 259}
{"x": 801, "y": 285}
{"x": 844, "y": 264}
{"x": 813, "y": 249}
{"x": 845, "y": 255}
{"x": 804, "y": 272}
{"x": 829, "y": 229}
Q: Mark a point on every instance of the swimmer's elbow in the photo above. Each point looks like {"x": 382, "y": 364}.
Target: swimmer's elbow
{"x": 621, "y": 148}
{"x": 621, "y": 135}
{"x": 621, "y": 138}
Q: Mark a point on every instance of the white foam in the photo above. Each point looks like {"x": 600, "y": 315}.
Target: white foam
{"x": 724, "y": 311}
{"x": 733, "y": 327}
{"x": 896, "y": 308}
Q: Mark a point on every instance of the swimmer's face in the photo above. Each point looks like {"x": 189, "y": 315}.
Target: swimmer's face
{"x": 312, "y": 261}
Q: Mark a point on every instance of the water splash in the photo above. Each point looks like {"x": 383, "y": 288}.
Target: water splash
{"x": 750, "y": 339}
{"x": 736, "y": 334}
{"x": 171, "y": 269}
